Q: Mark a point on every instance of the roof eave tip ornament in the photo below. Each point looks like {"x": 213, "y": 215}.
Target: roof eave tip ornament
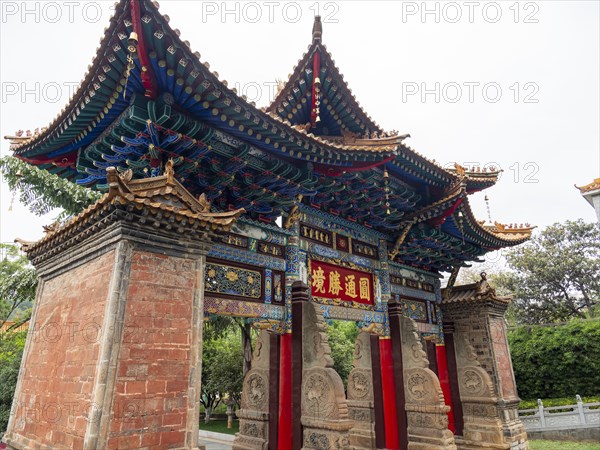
{"x": 317, "y": 31}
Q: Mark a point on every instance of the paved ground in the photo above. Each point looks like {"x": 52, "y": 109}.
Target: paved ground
{"x": 215, "y": 441}
{"x": 213, "y": 445}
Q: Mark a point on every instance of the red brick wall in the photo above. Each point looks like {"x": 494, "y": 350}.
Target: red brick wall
{"x": 57, "y": 384}
{"x": 150, "y": 405}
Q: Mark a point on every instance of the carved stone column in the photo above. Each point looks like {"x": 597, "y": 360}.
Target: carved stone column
{"x": 360, "y": 396}
{"x": 484, "y": 369}
{"x": 424, "y": 401}
{"x": 324, "y": 408}
{"x": 254, "y": 412}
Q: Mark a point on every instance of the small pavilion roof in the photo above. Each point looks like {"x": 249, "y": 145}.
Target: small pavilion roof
{"x": 469, "y": 294}
{"x": 593, "y": 186}
{"x": 167, "y": 204}
{"x": 341, "y": 108}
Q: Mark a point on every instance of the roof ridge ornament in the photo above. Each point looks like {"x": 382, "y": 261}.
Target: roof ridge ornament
{"x": 317, "y": 31}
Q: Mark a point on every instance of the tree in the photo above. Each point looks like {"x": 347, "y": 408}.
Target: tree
{"x": 11, "y": 351}
{"x": 222, "y": 371}
{"x": 342, "y": 337}
{"x": 556, "y": 276}
{"x": 218, "y": 325}
{"x": 18, "y": 282}
{"x": 42, "y": 191}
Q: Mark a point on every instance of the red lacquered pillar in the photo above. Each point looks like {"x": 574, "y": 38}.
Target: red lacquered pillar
{"x": 442, "y": 364}
{"x": 390, "y": 417}
{"x": 452, "y": 375}
{"x": 285, "y": 392}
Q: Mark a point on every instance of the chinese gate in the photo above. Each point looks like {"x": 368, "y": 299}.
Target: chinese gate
{"x": 290, "y": 216}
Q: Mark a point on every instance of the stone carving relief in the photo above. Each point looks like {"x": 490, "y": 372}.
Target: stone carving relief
{"x": 254, "y": 411}
{"x": 360, "y": 385}
{"x": 255, "y": 391}
{"x": 474, "y": 381}
{"x": 481, "y": 414}
{"x": 426, "y": 411}
{"x": 360, "y": 396}
{"x": 324, "y": 408}
{"x": 318, "y": 399}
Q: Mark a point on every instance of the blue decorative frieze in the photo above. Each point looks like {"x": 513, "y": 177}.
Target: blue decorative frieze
{"x": 383, "y": 250}
{"x": 261, "y": 231}
{"x": 360, "y": 261}
{"x": 428, "y": 329}
{"x": 411, "y": 272}
{"x": 336, "y": 224}
{"x": 246, "y": 257}
{"x": 415, "y": 309}
{"x": 325, "y": 252}
{"x": 232, "y": 280}
{"x": 278, "y": 287}
{"x": 268, "y": 285}
{"x": 384, "y": 281}
{"x": 292, "y": 260}
{"x": 353, "y": 314}
{"x": 237, "y": 308}
{"x": 329, "y": 253}
{"x": 438, "y": 290}
{"x": 412, "y": 292}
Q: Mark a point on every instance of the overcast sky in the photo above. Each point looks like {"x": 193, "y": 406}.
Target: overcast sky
{"x": 514, "y": 85}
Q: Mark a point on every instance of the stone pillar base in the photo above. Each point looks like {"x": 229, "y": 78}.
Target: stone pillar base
{"x": 254, "y": 431}
{"x": 326, "y": 434}
{"x": 362, "y": 434}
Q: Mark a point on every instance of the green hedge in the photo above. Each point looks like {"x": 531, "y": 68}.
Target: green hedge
{"x": 557, "y": 361}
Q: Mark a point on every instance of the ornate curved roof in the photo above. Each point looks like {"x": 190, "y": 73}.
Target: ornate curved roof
{"x": 147, "y": 98}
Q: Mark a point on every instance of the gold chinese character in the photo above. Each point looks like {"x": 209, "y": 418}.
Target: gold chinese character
{"x": 334, "y": 283}
{"x": 365, "y": 292}
{"x": 318, "y": 280}
{"x": 350, "y": 286}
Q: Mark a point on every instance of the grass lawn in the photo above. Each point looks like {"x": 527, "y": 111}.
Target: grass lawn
{"x": 220, "y": 426}
{"x": 562, "y": 445}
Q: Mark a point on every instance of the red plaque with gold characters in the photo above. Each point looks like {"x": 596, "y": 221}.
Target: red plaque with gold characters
{"x": 341, "y": 283}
